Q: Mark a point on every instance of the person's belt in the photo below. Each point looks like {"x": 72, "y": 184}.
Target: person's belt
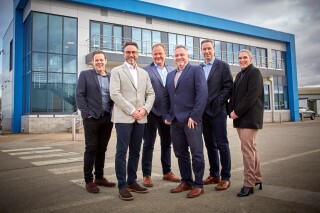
{"x": 105, "y": 114}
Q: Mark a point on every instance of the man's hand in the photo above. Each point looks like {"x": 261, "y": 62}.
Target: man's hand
{"x": 139, "y": 113}
{"x": 191, "y": 123}
{"x": 167, "y": 122}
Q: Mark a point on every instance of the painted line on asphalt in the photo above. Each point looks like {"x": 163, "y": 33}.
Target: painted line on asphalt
{"x": 49, "y": 155}
{"x": 26, "y": 149}
{"x": 58, "y": 161}
{"x": 36, "y": 152}
{"x": 73, "y": 169}
{"x": 62, "y": 143}
{"x": 281, "y": 159}
{"x": 69, "y": 205}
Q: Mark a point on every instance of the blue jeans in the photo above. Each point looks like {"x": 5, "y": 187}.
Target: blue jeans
{"x": 128, "y": 136}
{"x": 182, "y": 138}
{"x": 150, "y": 133}
{"x": 216, "y": 140}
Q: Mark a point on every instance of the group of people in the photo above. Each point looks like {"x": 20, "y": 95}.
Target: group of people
{"x": 184, "y": 105}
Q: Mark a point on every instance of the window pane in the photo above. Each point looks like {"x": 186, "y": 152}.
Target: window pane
{"x": 39, "y": 92}
{"x": 223, "y": 51}
{"x": 55, "y": 34}
{"x": 236, "y": 49}
{"x": 172, "y": 43}
{"x": 254, "y": 59}
{"x": 137, "y": 37}
{"x": 94, "y": 36}
{"x": 69, "y": 88}
{"x": 55, "y": 92}
{"x": 107, "y": 37}
{"x": 274, "y": 59}
{"x": 276, "y": 97}
{"x": 266, "y": 97}
{"x": 146, "y": 42}
{"x": 69, "y": 64}
{"x": 217, "y": 49}
{"x": 263, "y": 58}
{"x": 39, "y": 62}
{"x": 117, "y": 38}
{"x": 189, "y": 44}
{"x": 229, "y": 53}
{"x": 278, "y": 56}
{"x": 181, "y": 40}
{"x": 55, "y": 63}
{"x": 70, "y": 36}
{"x": 40, "y": 32}
{"x": 156, "y": 37}
{"x": 285, "y": 97}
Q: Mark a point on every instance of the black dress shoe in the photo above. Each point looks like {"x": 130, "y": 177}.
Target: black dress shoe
{"x": 260, "y": 187}
{"x": 245, "y": 191}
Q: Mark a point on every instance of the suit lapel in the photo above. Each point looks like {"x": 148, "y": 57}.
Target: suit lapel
{"x": 183, "y": 74}
{"x": 213, "y": 68}
{"x": 96, "y": 80}
{"x": 155, "y": 71}
{"x": 127, "y": 72}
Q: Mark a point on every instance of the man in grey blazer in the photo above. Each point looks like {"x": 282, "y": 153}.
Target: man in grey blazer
{"x": 133, "y": 96}
{"x": 93, "y": 100}
{"x": 157, "y": 71}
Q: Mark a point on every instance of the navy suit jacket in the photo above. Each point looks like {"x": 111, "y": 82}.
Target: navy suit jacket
{"x": 157, "y": 85}
{"x": 88, "y": 94}
{"x": 220, "y": 83}
{"x": 188, "y": 98}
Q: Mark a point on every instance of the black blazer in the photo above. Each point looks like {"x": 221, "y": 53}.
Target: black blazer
{"x": 247, "y": 99}
{"x": 88, "y": 94}
{"x": 220, "y": 84}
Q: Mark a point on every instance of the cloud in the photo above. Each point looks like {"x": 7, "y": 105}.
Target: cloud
{"x": 298, "y": 17}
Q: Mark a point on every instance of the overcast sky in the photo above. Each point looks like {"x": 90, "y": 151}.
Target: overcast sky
{"x": 299, "y": 17}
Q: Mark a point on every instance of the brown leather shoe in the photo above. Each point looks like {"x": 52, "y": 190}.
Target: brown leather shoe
{"x": 92, "y": 187}
{"x": 223, "y": 185}
{"x": 147, "y": 181}
{"x": 104, "y": 182}
{"x": 124, "y": 194}
{"x": 210, "y": 180}
{"x": 195, "y": 192}
{"x": 170, "y": 177}
{"x": 137, "y": 188}
{"x": 182, "y": 187}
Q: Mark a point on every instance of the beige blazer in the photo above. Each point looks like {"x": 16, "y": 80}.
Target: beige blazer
{"x": 127, "y": 97}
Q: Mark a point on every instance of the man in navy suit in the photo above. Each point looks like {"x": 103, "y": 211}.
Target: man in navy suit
{"x": 220, "y": 82}
{"x": 184, "y": 101}
{"x": 93, "y": 100}
{"x": 157, "y": 71}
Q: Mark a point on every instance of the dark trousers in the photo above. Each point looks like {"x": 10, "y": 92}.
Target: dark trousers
{"x": 182, "y": 138}
{"x": 150, "y": 133}
{"x": 97, "y": 133}
{"x": 128, "y": 136}
{"x": 216, "y": 141}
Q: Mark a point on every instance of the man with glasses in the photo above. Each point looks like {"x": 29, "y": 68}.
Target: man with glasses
{"x": 133, "y": 96}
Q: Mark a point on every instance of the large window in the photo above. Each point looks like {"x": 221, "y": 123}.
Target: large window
{"x": 266, "y": 96}
{"x": 50, "y": 66}
{"x": 278, "y": 59}
{"x": 280, "y": 93}
{"x": 104, "y": 36}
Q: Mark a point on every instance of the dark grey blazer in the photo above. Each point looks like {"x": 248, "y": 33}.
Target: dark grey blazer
{"x": 220, "y": 84}
{"x": 88, "y": 94}
{"x": 157, "y": 85}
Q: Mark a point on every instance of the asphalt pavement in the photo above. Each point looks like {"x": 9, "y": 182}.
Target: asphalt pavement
{"x": 43, "y": 173}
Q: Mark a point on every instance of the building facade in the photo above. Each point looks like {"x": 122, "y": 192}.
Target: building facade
{"x": 49, "y": 42}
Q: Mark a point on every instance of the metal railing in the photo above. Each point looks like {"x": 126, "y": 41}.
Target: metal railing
{"x": 76, "y": 124}
{"x": 115, "y": 45}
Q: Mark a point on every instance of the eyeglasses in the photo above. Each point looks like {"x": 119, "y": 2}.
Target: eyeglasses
{"x": 131, "y": 52}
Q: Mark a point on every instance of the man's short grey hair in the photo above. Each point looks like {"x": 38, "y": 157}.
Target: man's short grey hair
{"x": 180, "y": 46}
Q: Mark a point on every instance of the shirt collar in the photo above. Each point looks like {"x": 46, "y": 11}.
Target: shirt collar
{"x": 211, "y": 62}
{"x": 130, "y": 67}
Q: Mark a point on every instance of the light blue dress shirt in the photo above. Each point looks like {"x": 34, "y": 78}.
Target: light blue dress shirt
{"x": 207, "y": 67}
{"x": 163, "y": 73}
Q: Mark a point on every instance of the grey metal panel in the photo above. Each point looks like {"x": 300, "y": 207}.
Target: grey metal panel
{"x": 165, "y": 41}
{"x": 127, "y": 33}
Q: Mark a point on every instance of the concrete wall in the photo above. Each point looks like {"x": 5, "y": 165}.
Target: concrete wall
{"x": 45, "y": 123}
